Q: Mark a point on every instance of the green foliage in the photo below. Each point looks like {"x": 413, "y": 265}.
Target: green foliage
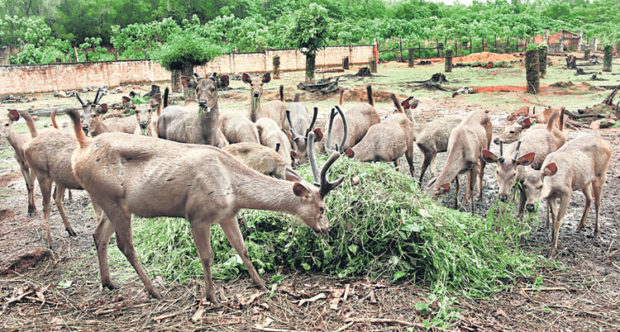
{"x": 184, "y": 49}
{"x": 385, "y": 227}
{"x": 309, "y": 30}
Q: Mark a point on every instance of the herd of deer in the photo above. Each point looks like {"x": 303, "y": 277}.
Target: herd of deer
{"x": 231, "y": 159}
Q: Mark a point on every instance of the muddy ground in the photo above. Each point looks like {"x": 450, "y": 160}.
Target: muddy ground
{"x": 59, "y": 289}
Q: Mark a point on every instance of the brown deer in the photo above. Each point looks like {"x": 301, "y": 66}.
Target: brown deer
{"x": 464, "y": 148}
{"x": 301, "y": 124}
{"x": 92, "y": 118}
{"x": 359, "y": 119}
{"x": 513, "y": 132}
{"x": 531, "y": 149}
{"x": 112, "y": 168}
{"x": 237, "y": 128}
{"x": 581, "y": 164}
{"x": 273, "y": 137}
{"x": 388, "y": 140}
{"x": 145, "y": 120}
{"x": 259, "y": 158}
{"x": 433, "y": 138}
{"x": 18, "y": 142}
{"x": 188, "y": 125}
{"x": 274, "y": 109}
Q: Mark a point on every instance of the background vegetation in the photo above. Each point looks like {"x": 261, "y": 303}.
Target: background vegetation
{"x": 42, "y": 31}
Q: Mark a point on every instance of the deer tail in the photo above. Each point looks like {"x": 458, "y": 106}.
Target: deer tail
{"x": 371, "y": 101}
{"x": 341, "y": 96}
{"x": 166, "y": 92}
{"x": 77, "y": 128}
{"x": 282, "y": 93}
{"x": 396, "y": 103}
{"x": 29, "y": 123}
{"x": 562, "y": 118}
{"x": 53, "y": 119}
{"x": 552, "y": 119}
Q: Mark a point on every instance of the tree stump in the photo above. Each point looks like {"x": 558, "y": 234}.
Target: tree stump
{"x": 345, "y": 63}
{"x": 276, "y": 67}
{"x": 410, "y": 57}
{"x": 448, "y": 61}
{"x": 571, "y": 62}
{"x": 532, "y": 71}
{"x": 373, "y": 65}
{"x": 542, "y": 60}
{"x": 607, "y": 59}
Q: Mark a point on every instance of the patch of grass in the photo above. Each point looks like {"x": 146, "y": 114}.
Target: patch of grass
{"x": 385, "y": 227}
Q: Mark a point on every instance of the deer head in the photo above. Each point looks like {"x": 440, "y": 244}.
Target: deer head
{"x": 6, "y": 121}
{"x": 256, "y": 86}
{"x": 507, "y": 168}
{"x": 145, "y": 113}
{"x": 90, "y": 110}
{"x": 206, "y": 89}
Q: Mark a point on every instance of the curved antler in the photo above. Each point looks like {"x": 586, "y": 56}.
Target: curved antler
{"x": 290, "y": 124}
{"x": 312, "y": 158}
{"x": 517, "y": 150}
{"x": 312, "y": 122}
{"x": 340, "y": 148}
{"x": 96, "y": 100}
{"x": 77, "y": 95}
{"x": 332, "y": 114}
{"x": 327, "y": 186}
{"x": 501, "y": 151}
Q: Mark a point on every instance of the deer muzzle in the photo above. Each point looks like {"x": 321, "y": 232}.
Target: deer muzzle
{"x": 530, "y": 207}
{"x": 202, "y": 102}
{"x": 503, "y": 198}
{"x": 143, "y": 125}
{"x": 85, "y": 129}
{"x": 496, "y": 140}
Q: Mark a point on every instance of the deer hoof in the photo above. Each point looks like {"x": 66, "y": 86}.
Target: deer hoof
{"x": 154, "y": 293}
{"x": 71, "y": 232}
{"x": 32, "y": 211}
{"x": 110, "y": 285}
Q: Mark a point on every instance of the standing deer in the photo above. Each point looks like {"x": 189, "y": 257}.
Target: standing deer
{"x": 388, "y": 140}
{"x": 301, "y": 124}
{"x": 273, "y": 137}
{"x": 433, "y": 138}
{"x": 359, "y": 119}
{"x": 188, "y": 125}
{"x": 237, "y": 128}
{"x": 581, "y": 164}
{"x": 274, "y": 109}
{"x": 119, "y": 170}
{"x": 146, "y": 115}
{"x": 18, "y": 142}
{"x": 534, "y": 147}
{"x": 464, "y": 148}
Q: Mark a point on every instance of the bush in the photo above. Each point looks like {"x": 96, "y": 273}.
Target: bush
{"x": 186, "y": 48}
{"x": 385, "y": 227}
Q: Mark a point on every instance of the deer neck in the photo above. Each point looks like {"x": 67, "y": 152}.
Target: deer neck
{"x": 254, "y": 107}
{"x": 208, "y": 123}
{"x": 265, "y": 193}
{"x": 99, "y": 127}
{"x": 15, "y": 141}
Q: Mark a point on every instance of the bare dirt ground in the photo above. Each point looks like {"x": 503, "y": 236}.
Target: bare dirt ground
{"x": 59, "y": 289}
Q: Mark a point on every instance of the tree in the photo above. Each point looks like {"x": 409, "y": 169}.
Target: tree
{"x": 185, "y": 50}
{"x": 309, "y": 32}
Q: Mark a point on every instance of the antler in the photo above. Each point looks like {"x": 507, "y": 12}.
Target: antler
{"x": 320, "y": 178}
{"x": 312, "y": 122}
{"x": 501, "y": 151}
{"x": 517, "y": 150}
{"x": 77, "y": 95}
{"x": 290, "y": 124}
{"x": 312, "y": 158}
{"x": 340, "y": 147}
{"x": 96, "y": 101}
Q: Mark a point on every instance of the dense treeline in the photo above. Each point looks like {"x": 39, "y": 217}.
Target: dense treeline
{"x": 47, "y": 30}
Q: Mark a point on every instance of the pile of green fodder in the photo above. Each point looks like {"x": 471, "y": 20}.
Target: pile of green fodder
{"x": 383, "y": 227}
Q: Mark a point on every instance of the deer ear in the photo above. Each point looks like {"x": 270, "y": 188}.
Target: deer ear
{"x": 526, "y": 159}
{"x": 103, "y": 108}
{"x": 489, "y": 156}
{"x": 246, "y": 78}
{"x": 267, "y": 78}
{"x": 318, "y": 134}
{"x": 13, "y": 115}
{"x": 350, "y": 153}
{"x": 223, "y": 82}
{"x": 126, "y": 101}
{"x": 526, "y": 123}
{"x": 291, "y": 175}
{"x": 550, "y": 169}
{"x": 445, "y": 186}
{"x": 157, "y": 98}
{"x": 293, "y": 154}
{"x": 300, "y": 190}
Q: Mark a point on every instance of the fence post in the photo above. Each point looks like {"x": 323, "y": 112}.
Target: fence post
{"x": 410, "y": 57}
{"x": 448, "y": 68}
{"x": 542, "y": 59}
{"x": 276, "y": 67}
{"x": 607, "y": 58}
{"x": 345, "y": 62}
{"x": 532, "y": 71}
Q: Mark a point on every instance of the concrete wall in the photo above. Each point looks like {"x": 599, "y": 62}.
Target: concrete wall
{"x": 68, "y": 76}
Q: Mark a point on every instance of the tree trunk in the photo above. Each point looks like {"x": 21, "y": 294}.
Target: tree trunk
{"x": 586, "y": 54}
{"x": 276, "y": 67}
{"x": 77, "y": 58}
{"x": 439, "y": 49}
{"x": 607, "y": 59}
{"x": 410, "y": 57}
{"x": 189, "y": 93}
{"x": 373, "y": 65}
{"x": 85, "y": 56}
{"x": 310, "y": 64}
{"x": 448, "y": 61}
{"x": 532, "y": 71}
{"x": 400, "y": 46}
{"x": 345, "y": 63}
{"x": 542, "y": 59}
{"x": 176, "y": 80}
{"x": 471, "y": 42}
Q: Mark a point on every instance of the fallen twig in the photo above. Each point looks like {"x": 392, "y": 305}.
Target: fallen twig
{"x": 545, "y": 289}
{"x": 383, "y": 321}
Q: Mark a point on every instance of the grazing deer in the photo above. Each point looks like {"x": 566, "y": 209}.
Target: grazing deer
{"x": 274, "y": 109}
{"x": 273, "y": 137}
{"x": 18, "y": 142}
{"x": 464, "y": 147}
{"x": 513, "y": 132}
{"x": 237, "y": 128}
{"x": 119, "y": 170}
{"x": 534, "y": 146}
{"x": 581, "y": 164}
{"x": 359, "y": 119}
{"x": 259, "y": 158}
{"x": 434, "y": 139}
{"x": 188, "y": 125}
{"x": 146, "y": 115}
{"x": 388, "y": 140}
{"x": 301, "y": 124}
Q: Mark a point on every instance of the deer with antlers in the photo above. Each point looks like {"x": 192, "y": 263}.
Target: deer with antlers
{"x": 19, "y": 142}
{"x": 388, "y": 140}
{"x": 197, "y": 126}
{"x": 119, "y": 170}
{"x": 301, "y": 124}
{"x": 92, "y": 118}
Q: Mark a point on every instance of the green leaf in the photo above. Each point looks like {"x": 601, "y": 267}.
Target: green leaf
{"x": 64, "y": 284}
{"x": 398, "y": 275}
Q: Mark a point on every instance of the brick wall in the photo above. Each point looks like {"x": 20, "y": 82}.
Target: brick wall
{"x": 68, "y": 76}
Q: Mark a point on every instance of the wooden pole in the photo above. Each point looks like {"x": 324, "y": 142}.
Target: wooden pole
{"x": 607, "y": 58}
{"x": 448, "y": 67}
{"x": 542, "y": 59}
{"x": 532, "y": 74}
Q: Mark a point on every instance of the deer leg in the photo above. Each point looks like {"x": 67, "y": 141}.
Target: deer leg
{"x": 480, "y": 176}
{"x": 409, "y": 157}
{"x": 425, "y": 163}
{"x": 69, "y": 195}
{"x": 233, "y": 234}
{"x": 397, "y": 164}
{"x": 588, "y": 194}
{"x": 29, "y": 178}
{"x": 468, "y": 188}
{"x": 521, "y": 202}
{"x": 202, "y": 238}
{"x": 597, "y": 188}
{"x": 46, "y": 191}
{"x": 473, "y": 174}
{"x": 102, "y": 236}
{"x": 558, "y": 216}
{"x": 121, "y": 219}
{"x": 433, "y": 164}
{"x": 59, "y": 193}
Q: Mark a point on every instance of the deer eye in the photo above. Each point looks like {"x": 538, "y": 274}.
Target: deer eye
{"x": 512, "y": 131}
{"x": 6, "y": 124}
{"x": 539, "y": 187}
